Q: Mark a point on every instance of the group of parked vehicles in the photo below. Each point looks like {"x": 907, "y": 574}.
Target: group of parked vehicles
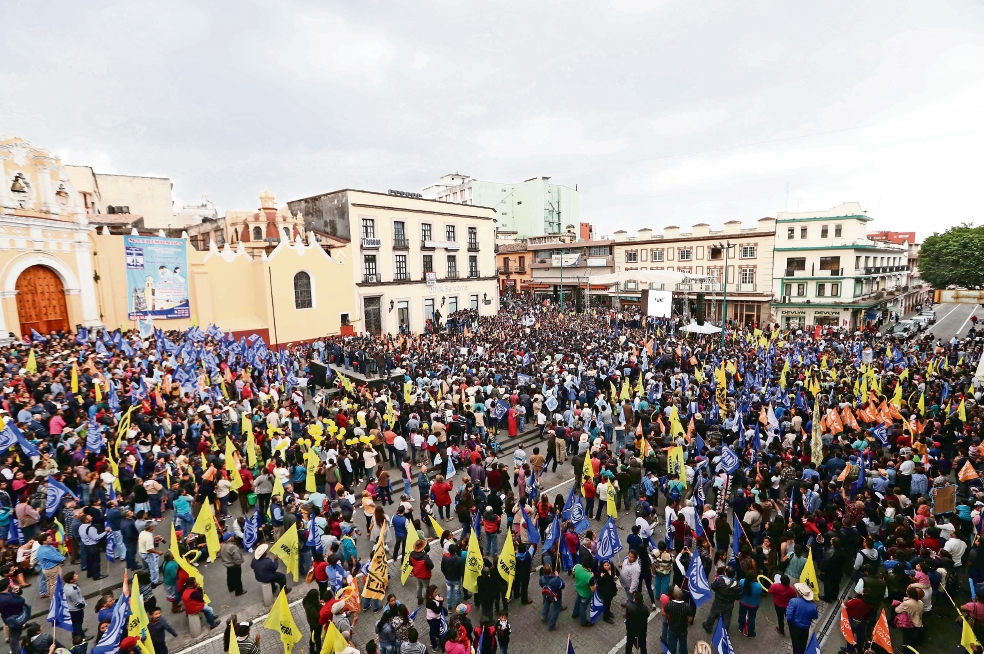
{"x": 915, "y": 324}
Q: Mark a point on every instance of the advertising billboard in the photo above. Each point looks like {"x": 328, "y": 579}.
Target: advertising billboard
{"x": 156, "y": 277}
{"x": 660, "y": 304}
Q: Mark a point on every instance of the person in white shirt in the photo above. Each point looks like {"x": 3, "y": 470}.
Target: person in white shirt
{"x": 957, "y": 548}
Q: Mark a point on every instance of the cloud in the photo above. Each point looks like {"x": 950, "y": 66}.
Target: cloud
{"x": 545, "y": 136}
{"x": 636, "y": 6}
{"x": 683, "y": 123}
{"x": 420, "y": 61}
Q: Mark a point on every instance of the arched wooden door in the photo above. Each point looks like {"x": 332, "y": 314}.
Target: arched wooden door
{"x": 41, "y": 301}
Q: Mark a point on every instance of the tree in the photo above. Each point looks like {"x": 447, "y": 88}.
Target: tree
{"x": 955, "y": 257}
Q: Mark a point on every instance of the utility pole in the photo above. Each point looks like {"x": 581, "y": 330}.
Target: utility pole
{"x": 724, "y": 305}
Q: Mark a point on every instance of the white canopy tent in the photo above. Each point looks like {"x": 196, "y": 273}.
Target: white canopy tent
{"x": 706, "y": 328}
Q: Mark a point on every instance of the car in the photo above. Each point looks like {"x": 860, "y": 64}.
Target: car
{"x": 922, "y": 321}
{"x": 928, "y": 313}
{"x": 904, "y": 327}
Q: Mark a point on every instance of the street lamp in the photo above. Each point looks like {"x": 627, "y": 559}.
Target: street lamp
{"x": 724, "y": 305}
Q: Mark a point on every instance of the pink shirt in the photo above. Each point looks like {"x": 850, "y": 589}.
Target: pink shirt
{"x": 56, "y": 425}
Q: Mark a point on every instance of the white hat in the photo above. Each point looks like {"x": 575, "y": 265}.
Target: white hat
{"x": 260, "y": 551}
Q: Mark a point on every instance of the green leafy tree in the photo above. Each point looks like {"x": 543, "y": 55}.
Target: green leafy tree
{"x": 955, "y": 257}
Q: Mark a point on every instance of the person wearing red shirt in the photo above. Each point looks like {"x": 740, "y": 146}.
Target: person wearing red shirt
{"x": 194, "y": 603}
{"x": 782, "y": 593}
{"x": 442, "y": 497}
{"x": 858, "y": 612}
{"x": 590, "y": 492}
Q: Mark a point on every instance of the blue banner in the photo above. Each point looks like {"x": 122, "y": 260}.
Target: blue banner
{"x": 156, "y": 277}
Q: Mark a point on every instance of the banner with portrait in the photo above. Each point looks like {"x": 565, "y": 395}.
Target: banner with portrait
{"x": 156, "y": 277}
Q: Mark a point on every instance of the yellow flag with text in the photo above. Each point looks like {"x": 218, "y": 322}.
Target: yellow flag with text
{"x": 287, "y": 550}
{"x": 136, "y": 625}
{"x": 406, "y": 567}
{"x": 334, "y": 641}
{"x": 809, "y": 575}
{"x": 250, "y": 441}
{"x": 378, "y": 577}
{"x": 507, "y": 562}
{"x": 191, "y": 570}
{"x": 281, "y": 621}
{"x": 310, "y": 482}
{"x": 232, "y": 466}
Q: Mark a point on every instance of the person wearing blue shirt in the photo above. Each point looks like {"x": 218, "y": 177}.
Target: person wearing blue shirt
{"x": 399, "y": 532}
{"x": 751, "y": 597}
{"x": 800, "y": 614}
{"x": 50, "y": 560}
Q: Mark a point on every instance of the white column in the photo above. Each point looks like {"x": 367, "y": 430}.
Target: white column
{"x": 87, "y": 288}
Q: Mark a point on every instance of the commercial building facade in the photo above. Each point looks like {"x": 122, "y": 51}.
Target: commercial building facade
{"x": 562, "y": 266}
{"x": 534, "y": 207}
{"x": 413, "y": 260}
{"x": 828, "y": 271}
{"x": 703, "y": 252}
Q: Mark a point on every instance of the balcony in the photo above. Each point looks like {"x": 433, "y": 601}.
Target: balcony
{"x": 452, "y": 274}
{"x": 428, "y": 245}
{"x": 401, "y": 244}
{"x": 791, "y": 272}
{"x": 519, "y": 270}
{"x": 473, "y": 246}
{"x": 833, "y": 272}
{"x": 473, "y": 274}
{"x": 373, "y": 278}
{"x": 746, "y": 287}
{"x": 401, "y": 277}
{"x": 504, "y": 270}
{"x": 372, "y": 243}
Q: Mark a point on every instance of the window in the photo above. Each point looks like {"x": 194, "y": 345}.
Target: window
{"x": 715, "y": 254}
{"x": 257, "y": 234}
{"x": 369, "y": 268}
{"x": 428, "y": 263}
{"x": 600, "y": 251}
{"x": 857, "y": 263}
{"x": 473, "y": 266}
{"x": 835, "y": 289}
{"x": 631, "y": 256}
{"x": 791, "y": 233}
{"x": 831, "y": 264}
{"x": 400, "y": 234}
{"x": 824, "y": 231}
{"x": 821, "y": 290}
{"x": 400, "y": 272}
{"x": 522, "y": 263}
{"x": 686, "y": 254}
{"x": 452, "y": 304}
{"x": 425, "y": 232}
{"x": 802, "y": 232}
{"x": 747, "y": 276}
{"x": 302, "y": 291}
{"x": 657, "y": 255}
{"x": 452, "y": 266}
{"x": 368, "y": 228}
{"x": 801, "y": 290}
{"x": 428, "y": 308}
{"x": 793, "y": 264}
{"x": 747, "y": 251}
{"x": 474, "y": 302}
{"x": 449, "y": 234}
{"x": 837, "y": 231}
{"x": 473, "y": 238}
{"x": 344, "y": 319}
{"x": 796, "y": 290}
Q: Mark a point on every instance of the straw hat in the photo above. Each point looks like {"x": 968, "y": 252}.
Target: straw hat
{"x": 804, "y": 591}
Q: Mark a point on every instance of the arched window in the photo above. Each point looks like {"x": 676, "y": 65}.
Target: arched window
{"x": 302, "y": 291}
{"x": 257, "y": 234}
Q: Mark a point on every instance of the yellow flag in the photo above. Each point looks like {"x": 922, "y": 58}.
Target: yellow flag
{"x": 205, "y": 525}
{"x": 136, "y": 625}
{"x": 967, "y": 637}
{"x": 99, "y": 396}
{"x": 962, "y": 411}
{"x": 378, "y": 577}
{"x": 904, "y": 375}
{"x": 281, "y": 621}
{"x": 922, "y": 404}
{"x": 408, "y": 392}
{"x": 233, "y": 643}
{"x": 75, "y": 378}
{"x": 611, "y": 505}
{"x": 194, "y": 321}
{"x": 406, "y": 568}
{"x": 809, "y": 574}
{"x": 334, "y": 641}
{"x": 312, "y": 459}
{"x": 250, "y": 441}
{"x": 191, "y": 570}
{"x": 588, "y": 470}
{"x": 507, "y": 562}
{"x": 287, "y": 550}
{"x": 32, "y": 362}
{"x": 438, "y": 529}
{"x": 897, "y": 397}
{"x": 473, "y": 564}
{"x": 624, "y": 393}
{"x": 231, "y": 466}
{"x": 278, "y": 488}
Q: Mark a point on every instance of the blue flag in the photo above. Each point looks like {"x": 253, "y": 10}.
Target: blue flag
{"x": 82, "y": 337}
{"x": 570, "y": 646}
{"x": 313, "y": 540}
{"x": 533, "y": 491}
{"x": 566, "y": 556}
{"x": 736, "y": 536}
{"x": 113, "y": 400}
{"x": 58, "y": 614}
{"x": 578, "y": 516}
{"x": 499, "y": 410}
{"x": 250, "y": 529}
{"x": 553, "y": 532}
{"x": 880, "y": 433}
{"x": 94, "y": 441}
{"x": 26, "y": 446}
{"x": 609, "y": 544}
{"x": 443, "y": 629}
{"x": 813, "y": 647}
{"x": 565, "y": 513}
{"x": 722, "y": 643}
{"x": 109, "y": 642}
{"x": 336, "y": 577}
{"x": 729, "y": 460}
{"x": 14, "y": 532}
{"x": 597, "y": 607}
{"x": 36, "y": 337}
{"x": 532, "y": 533}
{"x": 110, "y": 548}
{"x": 700, "y": 590}
{"x": 450, "y": 471}
{"x": 859, "y": 484}
{"x": 53, "y": 498}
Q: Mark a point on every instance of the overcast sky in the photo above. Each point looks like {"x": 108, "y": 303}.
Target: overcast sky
{"x": 662, "y": 113}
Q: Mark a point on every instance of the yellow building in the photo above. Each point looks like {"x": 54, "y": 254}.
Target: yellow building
{"x": 57, "y": 272}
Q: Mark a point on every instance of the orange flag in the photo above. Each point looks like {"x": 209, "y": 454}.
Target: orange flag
{"x": 967, "y": 473}
{"x": 845, "y": 626}
{"x": 894, "y": 412}
{"x": 691, "y": 430}
{"x": 834, "y": 422}
{"x": 844, "y": 473}
{"x": 848, "y": 418}
{"x": 881, "y": 636}
{"x": 865, "y": 414}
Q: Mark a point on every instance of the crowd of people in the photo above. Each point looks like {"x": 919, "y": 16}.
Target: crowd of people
{"x": 800, "y": 466}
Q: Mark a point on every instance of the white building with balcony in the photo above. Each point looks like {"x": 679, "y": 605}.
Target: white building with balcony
{"x": 735, "y": 258}
{"x": 828, "y": 272}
